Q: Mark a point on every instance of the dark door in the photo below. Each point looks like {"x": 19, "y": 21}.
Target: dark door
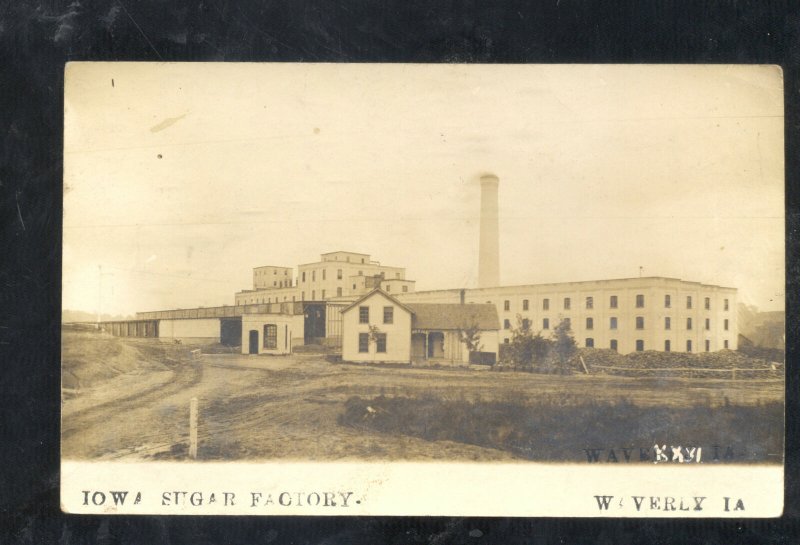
{"x": 253, "y": 342}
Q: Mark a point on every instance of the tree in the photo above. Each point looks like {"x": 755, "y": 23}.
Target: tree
{"x": 525, "y": 347}
{"x": 471, "y": 337}
{"x": 564, "y": 344}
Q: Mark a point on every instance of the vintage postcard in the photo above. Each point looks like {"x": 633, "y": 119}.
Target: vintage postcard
{"x": 396, "y": 289}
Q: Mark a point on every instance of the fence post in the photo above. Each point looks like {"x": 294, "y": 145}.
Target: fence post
{"x": 193, "y": 428}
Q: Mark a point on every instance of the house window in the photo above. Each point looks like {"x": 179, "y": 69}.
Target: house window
{"x": 526, "y": 324}
{"x": 589, "y": 323}
{"x": 640, "y": 301}
{"x": 589, "y": 343}
{"x": 667, "y": 323}
{"x": 667, "y": 346}
{"x": 271, "y": 336}
{"x": 506, "y": 324}
{"x": 506, "y": 305}
{"x": 388, "y": 315}
{"x": 546, "y": 323}
{"x": 380, "y": 341}
{"x": 590, "y": 302}
{"x": 524, "y": 304}
{"x": 639, "y": 345}
{"x": 708, "y": 324}
{"x": 640, "y": 322}
{"x": 405, "y": 289}
{"x": 725, "y": 324}
{"x": 667, "y": 301}
{"x": 338, "y": 274}
{"x": 708, "y": 345}
{"x": 613, "y": 345}
{"x": 688, "y": 323}
{"x": 612, "y": 322}
{"x": 725, "y": 344}
{"x": 688, "y": 301}
{"x": 363, "y": 343}
{"x": 707, "y": 303}
{"x": 727, "y": 305}
{"x": 545, "y": 304}
{"x": 688, "y": 346}
{"x": 567, "y": 303}
{"x": 338, "y": 292}
{"x": 613, "y": 303}
{"x": 363, "y": 315}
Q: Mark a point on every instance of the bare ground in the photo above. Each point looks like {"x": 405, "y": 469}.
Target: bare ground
{"x": 262, "y": 407}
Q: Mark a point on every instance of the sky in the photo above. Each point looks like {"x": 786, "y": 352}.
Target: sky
{"x": 180, "y": 178}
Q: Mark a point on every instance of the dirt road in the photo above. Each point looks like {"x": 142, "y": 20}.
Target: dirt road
{"x": 261, "y": 407}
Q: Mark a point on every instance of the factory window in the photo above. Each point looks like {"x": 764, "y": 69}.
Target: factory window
{"x": 293, "y": 296}
{"x": 708, "y": 345}
{"x": 567, "y": 303}
{"x": 304, "y": 276}
{"x": 338, "y": 292}
{"x": 506, "y": 324}
{"x": 524, "y": 304}
{"x": 397, "y": 275}
{"x": 363, "y": 315}
{"x": 506, "y": 305}
{"x": 405, "y": 289}
{"x": 708, "y": 324}
{"x": 347, "y": 259}
{"x": 362, "y": 260}
{"x": 589, "y": 343}
{"x": 302, "y": 296}
{"x": 526, "y": 324}
{"x": 590, "y": 302}
{"x": 640, "y": 301}
{"x": 274, "y": 282}
{"x": 688, "y": 301}
{"x": 640, "y": 322}
{"x": 338, "y": 274}
{"x": 380, "y": 341}
{"x": 271, "y": 336}
{"x": 612, "y": 322}
{"x": 725, "y": 324}
{"x": 323, "y": 294}
{"x": 388, "y": 287}
{"x": 688, "y": 323}
{"x": 545, "y": 304}
{"x": 613, "y": 345}
{"x": 667, "y": 323}
{"x": 667, "y": 346}
{"x": 505, "y": 341}
{"x": 285, "y": 273}
{"x": 667, "y": 301}
{"x": 639, "y": 345}
{"x": 707, "y": 303}
{"x": 313, "y": 294}
{"x": 725, "y": 344}
{"x": 363, "y": 342}
{"x": 360, "y": 273}
{"x": 323, "y": 273}
{"x": 613, "y": 302}
{"x": 589, "y": 323}
{"x": 688, "y": 346}
{"x": 314, "y": 276}
{"x": 567, "y": 323}
{"x": 727, "y": 305}
{"x": 388, "y": 315}
{"x": 354, "y": 286}
{"x": 546, "y": 323}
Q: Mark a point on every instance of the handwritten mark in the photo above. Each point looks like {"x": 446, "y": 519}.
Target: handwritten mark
{"x": 168, "y": 122}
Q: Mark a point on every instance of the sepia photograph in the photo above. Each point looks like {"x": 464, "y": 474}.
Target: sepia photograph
{"x": 471, "y": 276}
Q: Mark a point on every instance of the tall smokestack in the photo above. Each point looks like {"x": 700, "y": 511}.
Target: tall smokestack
{"x": 489, "y": 251}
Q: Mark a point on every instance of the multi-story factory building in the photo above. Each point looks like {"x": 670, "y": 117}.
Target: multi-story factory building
{"x": 625, "y": 315}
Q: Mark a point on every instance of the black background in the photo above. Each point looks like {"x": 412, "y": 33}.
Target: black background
{"x": 37, "y": 38}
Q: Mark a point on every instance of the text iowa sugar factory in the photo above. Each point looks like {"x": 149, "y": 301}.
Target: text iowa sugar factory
{"x": 180, "y": 498}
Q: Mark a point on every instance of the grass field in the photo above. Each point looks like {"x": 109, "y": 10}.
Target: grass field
{"x": 130, "y": 397}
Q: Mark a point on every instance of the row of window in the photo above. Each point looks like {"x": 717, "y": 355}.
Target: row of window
{"x": 338, "y": 275}
{"x": 380, "y": 342}
{"x": 589, "y": 343}
{"x": 274, "y": 272}
{"x": 613, "y": 323}
{"x": 388, "y": 315}
{"x": 613, "y": 303}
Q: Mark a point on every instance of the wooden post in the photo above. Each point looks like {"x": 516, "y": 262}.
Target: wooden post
{"x": 584, "y": 365}
{"x": 193, "y": 428}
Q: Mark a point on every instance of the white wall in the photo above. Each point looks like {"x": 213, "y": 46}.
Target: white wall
{"x": 200, "y": 328}
{"x": 398, "y": 334}
{"x": 288, "y": 327}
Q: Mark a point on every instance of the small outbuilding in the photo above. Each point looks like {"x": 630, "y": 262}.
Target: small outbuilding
{"x": 379, "y": 328}
{"x": 270, "y": 333}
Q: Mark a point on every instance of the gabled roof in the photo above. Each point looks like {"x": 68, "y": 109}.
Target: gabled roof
{"x": 374, "y": 292}
{"x": 454, "y": 316}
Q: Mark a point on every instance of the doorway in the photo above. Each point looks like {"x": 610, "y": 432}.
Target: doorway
{"x": 435, "y": 344}
{"x": 253, "y": 345}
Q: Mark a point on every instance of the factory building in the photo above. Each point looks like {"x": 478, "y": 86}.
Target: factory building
{"x": 626, "y": 315}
